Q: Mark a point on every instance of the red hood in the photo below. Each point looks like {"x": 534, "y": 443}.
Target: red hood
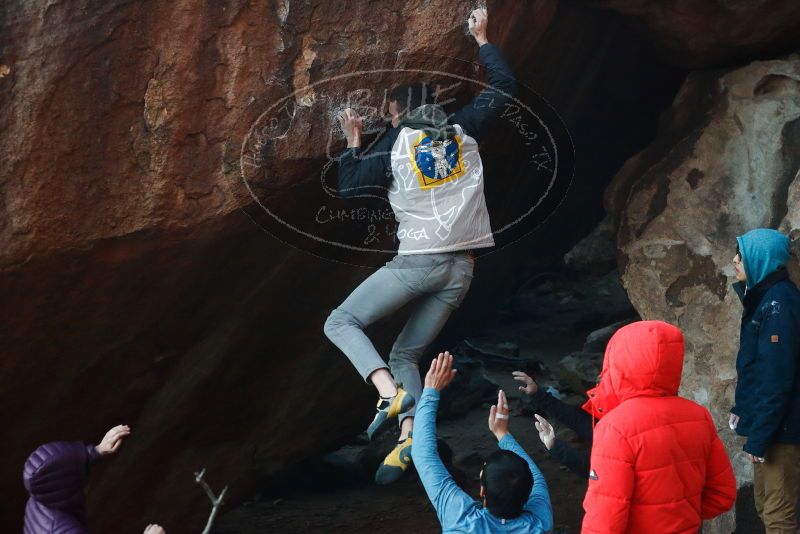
{"x": 643, "y": 359}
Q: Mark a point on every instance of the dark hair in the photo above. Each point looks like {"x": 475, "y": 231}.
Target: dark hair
{"x": 507, "y": 483}
{"x": 412, "y": 95}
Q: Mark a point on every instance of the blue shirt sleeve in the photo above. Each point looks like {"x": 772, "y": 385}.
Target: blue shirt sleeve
{"x": 369, "y": 173}
{"x": 539, "y": 500}
{"x": 451, "y": 503}
{"x": 477, "y": 116}
{"x": 776, "y": 365}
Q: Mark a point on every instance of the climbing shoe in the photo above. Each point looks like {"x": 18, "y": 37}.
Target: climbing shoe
{"x": 395, "y": 464}
{"x": 388, "y": 408}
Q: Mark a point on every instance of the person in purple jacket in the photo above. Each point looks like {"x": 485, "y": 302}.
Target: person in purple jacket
{"x": 54, "y": 476}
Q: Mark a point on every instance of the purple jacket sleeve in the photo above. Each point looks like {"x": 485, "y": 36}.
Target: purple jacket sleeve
{"x": 93, "y": 455}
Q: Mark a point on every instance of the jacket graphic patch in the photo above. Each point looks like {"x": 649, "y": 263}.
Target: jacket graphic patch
{"x": 437, "y": 193}
{"x": 437, "y": 162}
{"x": 593, "y": 475}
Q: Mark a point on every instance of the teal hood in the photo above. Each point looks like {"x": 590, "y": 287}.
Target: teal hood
{"x": 763, "y": 251}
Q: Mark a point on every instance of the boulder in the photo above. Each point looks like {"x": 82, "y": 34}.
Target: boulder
{"x": 573, "y": 303}
{"x": 597, "y": 340}
{"x": 502, "y": 353}
{"x": 138, "y": 284}
{"x": 595, "y": 253}
{"x": 470, "y": 388}
{"x": 725, "y": 161}
{"x": 582, "y": 369}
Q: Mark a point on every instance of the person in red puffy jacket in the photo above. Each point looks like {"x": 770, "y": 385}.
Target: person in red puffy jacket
{"x": 657, "y": 463}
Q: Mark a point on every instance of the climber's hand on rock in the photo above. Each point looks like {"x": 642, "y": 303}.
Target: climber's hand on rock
{"x": 154, "y": 529}
{"x": 546, "y": 432}
{"x": 113, "y": 439}
{"x": 755, "y": 459}
{"x": 350, "y": 121}
{"x": 441, "y": 372}
{"x": 529, "y": 387}
{"x": 498, "y": 416}
{"x": 477, "y": 22}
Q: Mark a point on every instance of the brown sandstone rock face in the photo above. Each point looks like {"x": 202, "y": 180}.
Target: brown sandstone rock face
{"x": 703, "y": 33}
{"x": 135, "y": 286}
{"x": 725, "y": 161}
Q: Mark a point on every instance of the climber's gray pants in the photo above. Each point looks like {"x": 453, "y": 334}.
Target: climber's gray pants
{"x": 435, "y": 283}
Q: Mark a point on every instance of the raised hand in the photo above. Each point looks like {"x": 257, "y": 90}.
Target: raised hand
{"x": 350, "y": 121}
{"x": 546, "y": 432}
{"x": 477, "y": 22}
{"x": 530, "y": 386}
{"x": 113, "y": 439}
{"x": 441, "y": 372}
{"x": 154, "y": 529}
{"x": 498, "y": 416}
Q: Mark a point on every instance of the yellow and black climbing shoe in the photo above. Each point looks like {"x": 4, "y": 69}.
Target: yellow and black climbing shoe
{"x": 396, "y": 463}
{"x": 388, "y": 408}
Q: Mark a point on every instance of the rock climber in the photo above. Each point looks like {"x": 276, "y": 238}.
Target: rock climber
{"x": 429, "y": 166}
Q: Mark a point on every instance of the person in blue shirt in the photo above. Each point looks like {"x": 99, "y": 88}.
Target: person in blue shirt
{"x": 514, "y": 495}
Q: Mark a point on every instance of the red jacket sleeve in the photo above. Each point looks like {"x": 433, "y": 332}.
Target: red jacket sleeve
{"x": 611, "y": 477}
{"x": 719, "y": 493}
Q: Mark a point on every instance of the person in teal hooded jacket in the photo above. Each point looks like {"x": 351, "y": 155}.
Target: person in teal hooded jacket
{"x": 767, "y": 402}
